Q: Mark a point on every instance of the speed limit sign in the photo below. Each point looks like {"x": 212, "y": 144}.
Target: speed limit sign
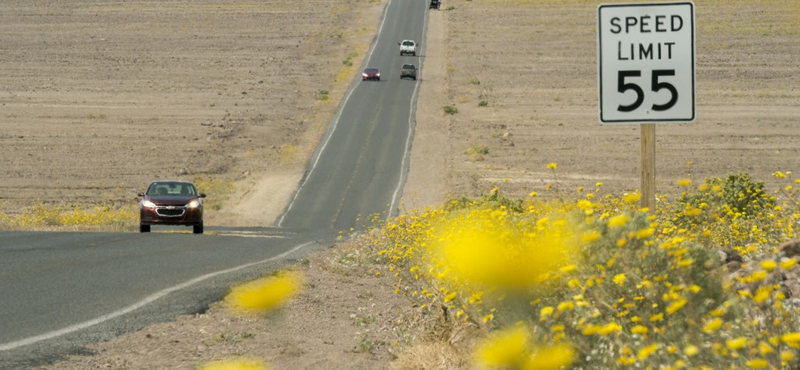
{"x": 646, "y": 62}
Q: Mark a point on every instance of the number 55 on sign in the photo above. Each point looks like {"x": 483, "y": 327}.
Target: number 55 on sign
{"x": 646, "y": 62}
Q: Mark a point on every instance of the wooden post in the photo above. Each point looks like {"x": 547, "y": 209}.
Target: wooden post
{"x": 648, "y": 132}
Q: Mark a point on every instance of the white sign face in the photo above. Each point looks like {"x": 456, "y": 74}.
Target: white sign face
{"x": 646, "y": 62}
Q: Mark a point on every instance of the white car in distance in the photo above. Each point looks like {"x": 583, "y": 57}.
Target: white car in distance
{"x": 408, "y": 47}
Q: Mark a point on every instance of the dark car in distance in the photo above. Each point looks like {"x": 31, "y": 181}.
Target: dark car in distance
{"x": 371, "y": 73}
{"x": 171, "y": 202}
{"x": 408, "y": 71}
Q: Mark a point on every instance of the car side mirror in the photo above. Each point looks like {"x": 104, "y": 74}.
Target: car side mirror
{"x": 202, "y": 195}
{"x": 398, "y": 43}
{"x": 140, "y": 194}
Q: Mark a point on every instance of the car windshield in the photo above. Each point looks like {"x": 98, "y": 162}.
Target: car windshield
{"x": 177, "y": 189}
{"x": 371, "y": 70}
{"x": 408, "y": 43}
{"x": 409, "y": 66}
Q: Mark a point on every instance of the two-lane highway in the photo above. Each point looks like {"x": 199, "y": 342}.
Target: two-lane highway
{"x": 359, "y": 168}
{"x": 61, "y": 291}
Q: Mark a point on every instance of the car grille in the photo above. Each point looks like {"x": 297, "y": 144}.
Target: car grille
{"x": 171, "y": 212}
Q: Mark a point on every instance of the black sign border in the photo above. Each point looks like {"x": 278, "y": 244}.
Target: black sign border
{"x": 600, "y": 63}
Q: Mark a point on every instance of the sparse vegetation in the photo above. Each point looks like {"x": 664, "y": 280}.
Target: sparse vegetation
{"x": 323, "y": 95}
{"x": 349, "y": 60}
{"x": 483, "y": 103}
{"x": 450, "y": 109}
{"x": 473, "y": 81}
{"x": 477, "y": 153}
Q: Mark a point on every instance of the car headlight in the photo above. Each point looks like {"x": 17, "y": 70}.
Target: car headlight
{"x": 377, "y": 74}
{"x": 364, "y": 75}
{"x": 194, "y": 204}
{"x": 148, "y": 204}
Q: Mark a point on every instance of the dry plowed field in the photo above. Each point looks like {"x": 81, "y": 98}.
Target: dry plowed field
{"x": 534, "y": 63}
{"x": 97, "y": 98}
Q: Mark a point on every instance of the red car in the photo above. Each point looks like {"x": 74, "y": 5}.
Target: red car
{"x": 171, "y": 203}
{"x": 371, "y": 73}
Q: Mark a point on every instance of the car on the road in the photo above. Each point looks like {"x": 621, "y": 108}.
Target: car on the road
{"x": 171, "y": 202}
{"x": 408, "y": 47}
{"x": 371, "y": 73}
{"x": 435, "y": 4}
{"x": 408, "y": 70}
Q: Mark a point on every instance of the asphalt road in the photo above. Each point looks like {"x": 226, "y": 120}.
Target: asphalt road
{"x": 359, "y": 168}
{"x": 61, "y": 291}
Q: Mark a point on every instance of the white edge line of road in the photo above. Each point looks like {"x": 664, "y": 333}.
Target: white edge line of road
{"x": 411, "y": 120}
{"x": 336, "y": 119}
{"x": 149, "y": 299}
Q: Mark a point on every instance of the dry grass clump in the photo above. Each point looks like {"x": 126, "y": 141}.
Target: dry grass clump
{"x": 596, "y": 283}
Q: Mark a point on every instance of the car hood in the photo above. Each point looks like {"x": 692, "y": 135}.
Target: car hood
{"x": 170, "y": 200}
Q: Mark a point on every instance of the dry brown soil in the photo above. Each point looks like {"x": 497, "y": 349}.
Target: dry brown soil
{"x": 98, "y": 96}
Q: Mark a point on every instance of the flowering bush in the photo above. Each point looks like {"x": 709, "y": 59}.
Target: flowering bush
{"x": 600, "y": 284}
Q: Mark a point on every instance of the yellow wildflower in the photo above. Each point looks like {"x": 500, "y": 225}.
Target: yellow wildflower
{"x": 712, "y": 326}
{"x": 618, "y": 221}
{"x": 762, "y": 294}
{"x": 265, "y": 295}
{"x": 566, "y": 306}
{"x": 619, "y": 279}
{"x": 567, "y": 269}
{"x": 632, "y": 198}
{"x": 691, "y": 350}
{"x": 788, "y": 263}
{"x": 645, "y": 233}
{"x": 590, "y": 236}
{"x": 764, "y": 348}
{"x": 235, "y": 364}
{"x": 675, "y": 306}
{"x": 551, "y": 358}
{"x": 545, "y": 312}
{"x": 639, "y": 329}
{"x": 768, "y": 265}
{"x": 684, "y": 182}
{"x": 609, "y": 328}
{"x": 504, "y": 348}
{"x": 647, "y": 351}
{"x": 791, "y": 338}
{"x": 736, "y": 344}
{"x": 758, "y": 363}
{"x": 787, "y": 356}
{"x": 552, "y": 166}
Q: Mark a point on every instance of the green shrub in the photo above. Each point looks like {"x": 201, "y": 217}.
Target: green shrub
{"x": 450, "y": 109}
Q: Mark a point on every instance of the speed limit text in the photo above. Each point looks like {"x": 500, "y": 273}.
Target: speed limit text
{"x": 645, "y": 24}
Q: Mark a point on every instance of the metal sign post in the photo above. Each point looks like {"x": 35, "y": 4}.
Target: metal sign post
{"x": 646, "y": 72}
